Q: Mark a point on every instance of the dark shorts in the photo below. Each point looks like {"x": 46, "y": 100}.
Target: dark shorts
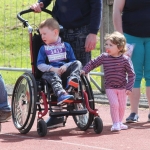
{"x": 76, "y": 38}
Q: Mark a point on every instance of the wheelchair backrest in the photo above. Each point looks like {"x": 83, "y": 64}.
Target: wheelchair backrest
{"x": 36, "y": 44}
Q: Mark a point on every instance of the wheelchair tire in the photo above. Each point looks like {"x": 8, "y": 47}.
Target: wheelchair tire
{"x": 84, "y": 121}
{"x": 41, "y": 128}
{"x": 24, "y": 102}
{"x": 98, "y": 125}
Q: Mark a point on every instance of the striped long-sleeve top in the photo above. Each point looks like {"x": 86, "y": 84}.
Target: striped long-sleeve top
{"x": 118, "y": 71}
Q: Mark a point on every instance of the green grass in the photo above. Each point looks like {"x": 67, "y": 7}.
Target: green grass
{"x": 14, "y": 39}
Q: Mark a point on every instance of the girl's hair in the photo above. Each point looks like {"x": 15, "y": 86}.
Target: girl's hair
{"x": 51, "y": 23}
{"x": 118, "y": 39}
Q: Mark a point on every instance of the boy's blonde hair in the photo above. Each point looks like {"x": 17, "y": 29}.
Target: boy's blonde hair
{"x": 118, "y": 39}
{"x": 51, "y": 23}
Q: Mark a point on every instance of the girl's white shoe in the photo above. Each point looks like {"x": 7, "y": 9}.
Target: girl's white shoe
{"x": 123, "y": 126}
{"x": 115, "y": 127}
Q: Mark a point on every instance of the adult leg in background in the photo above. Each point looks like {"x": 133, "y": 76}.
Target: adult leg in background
{"x": 147, "y": 70}
{"x": 138, "y": 61}
{"x": 5, "y": 109}
{"x": 76, "y": 38}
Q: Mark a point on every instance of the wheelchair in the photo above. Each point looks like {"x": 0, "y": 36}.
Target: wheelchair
{"x": 32, "y": 95}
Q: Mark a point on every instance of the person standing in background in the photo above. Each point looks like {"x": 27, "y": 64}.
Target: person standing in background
{"x": 131, "y": 17}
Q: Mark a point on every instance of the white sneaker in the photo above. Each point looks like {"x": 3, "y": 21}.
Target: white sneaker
{"x": 115, "y": 127}
{"x": 123, "y": 126}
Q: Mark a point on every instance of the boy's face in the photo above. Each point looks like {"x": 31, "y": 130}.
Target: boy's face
{"x": 48, "y": 36}
{"x": 111, "y": 49}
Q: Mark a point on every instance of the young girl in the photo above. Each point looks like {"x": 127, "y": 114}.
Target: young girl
{"x": 119, "y": 76}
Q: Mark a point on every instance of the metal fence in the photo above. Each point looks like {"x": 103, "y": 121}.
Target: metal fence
{"x": 14, "y": 41}
{"x": 14, "y": 47}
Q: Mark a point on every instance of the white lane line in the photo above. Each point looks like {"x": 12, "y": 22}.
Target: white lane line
{"x": 69, "y": 143}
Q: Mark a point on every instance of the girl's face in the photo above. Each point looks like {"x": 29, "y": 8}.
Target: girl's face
{"x": 48, "y": 36}
{"x": 112, "y": 49}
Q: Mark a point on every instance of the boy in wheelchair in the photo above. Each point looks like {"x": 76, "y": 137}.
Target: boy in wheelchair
{"x": 62, "y": 69}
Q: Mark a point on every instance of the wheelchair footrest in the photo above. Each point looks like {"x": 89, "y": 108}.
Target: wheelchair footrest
{"x": 69, "y": 113}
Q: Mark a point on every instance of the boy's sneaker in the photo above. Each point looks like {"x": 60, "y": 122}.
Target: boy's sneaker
{"x": 115, "y": 127}
{"x": 72, "y": 82}
{"x": 55, "y": 122}
{"x": 148, "y": 117}
{"x": 5, "y": 115}
{"x": 132, "y": 118}
{"x": 123, "y": 126}
{"x": 65, "y": 98}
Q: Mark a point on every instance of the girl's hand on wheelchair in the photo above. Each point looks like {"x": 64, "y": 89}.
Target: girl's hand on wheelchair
{"x": 63, "y": 69}
{"x": 128, "y": 92}
{"x": 82, "y": 72}
{"x": 37, "y": 7}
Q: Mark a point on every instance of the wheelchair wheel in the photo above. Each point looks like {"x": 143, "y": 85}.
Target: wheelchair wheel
{"x": 85, "y": 120}
{"x": 24, "y": 103}
{"x": 98, "y": 125}
{"x": 41, "y": 128}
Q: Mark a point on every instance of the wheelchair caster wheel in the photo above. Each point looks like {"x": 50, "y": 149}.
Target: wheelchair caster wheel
{"x": 41, "y": 128}
{"x": 98, "y": 125}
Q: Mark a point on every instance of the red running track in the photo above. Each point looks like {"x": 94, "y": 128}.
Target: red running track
{"x": 137, "y": 137}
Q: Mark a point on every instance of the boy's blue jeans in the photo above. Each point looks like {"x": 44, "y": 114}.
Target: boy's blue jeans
{"x": 4, "y": 105}
{"x": 58, "y": 82}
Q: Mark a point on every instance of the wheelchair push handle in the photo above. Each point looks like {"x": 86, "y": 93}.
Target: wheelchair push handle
{"x": 25, "y": 22}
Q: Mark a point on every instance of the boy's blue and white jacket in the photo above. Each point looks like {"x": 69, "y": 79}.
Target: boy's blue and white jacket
{"x": 42, "y": 64}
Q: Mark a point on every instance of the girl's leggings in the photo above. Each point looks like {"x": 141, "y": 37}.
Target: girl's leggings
{"x": 117, "y": 100}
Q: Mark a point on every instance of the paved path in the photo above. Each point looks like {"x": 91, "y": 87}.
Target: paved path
{"x": 137, "y": 137}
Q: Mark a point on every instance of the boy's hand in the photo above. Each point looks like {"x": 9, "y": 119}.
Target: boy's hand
{"x": 128, "y": 92}
{"x": 82, "y": 72}
{"x": 63, "y": 69}
{"x": 56, "y": 70}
